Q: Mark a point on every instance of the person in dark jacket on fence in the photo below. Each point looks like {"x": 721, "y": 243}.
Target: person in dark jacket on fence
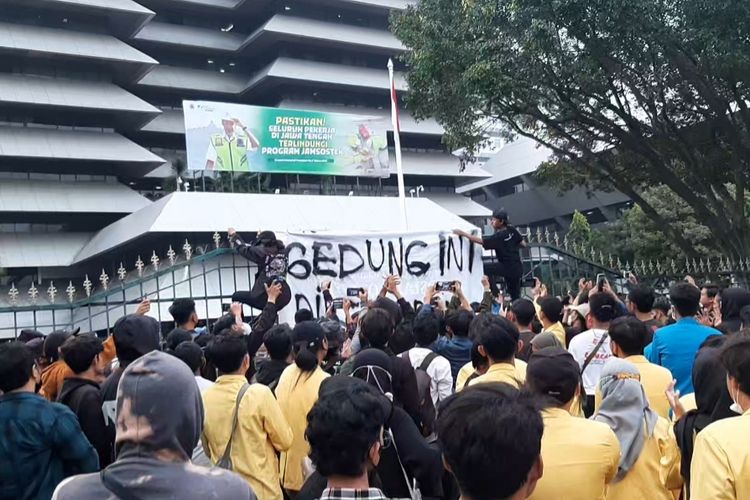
{"x": 81, "y": 394}
{"x": 158, "y": 426}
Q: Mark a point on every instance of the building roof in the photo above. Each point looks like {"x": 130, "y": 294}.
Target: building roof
{"x": 72, "y": 151}
{"x": 520, "y": 157}
{"x": 40, "y": 249}
{"x": 126, "y": 16}
{"x": 192, "y": 37}
{"x": 127, "y": 62}
{"x": 200, "y": 212}
{"x": 89, "y": 96}
{"x": 315, "y": 73}
{"x": 463, "y": 206}
{"x": 23, "y": 195}
{"x": 173, "y": 77}
{"x": 286, "y": 27}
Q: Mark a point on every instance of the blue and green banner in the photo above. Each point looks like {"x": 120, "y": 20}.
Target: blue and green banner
{"x": 240, "y": 138}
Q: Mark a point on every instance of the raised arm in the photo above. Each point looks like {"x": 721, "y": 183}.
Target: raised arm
{"x": 476, "y": 239}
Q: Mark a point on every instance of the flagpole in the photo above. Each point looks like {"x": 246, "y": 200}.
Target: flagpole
{"x": 397, "y": 144}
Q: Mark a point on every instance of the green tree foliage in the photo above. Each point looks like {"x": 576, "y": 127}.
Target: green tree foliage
{"x": 627, "y": 94}
{"x": 580, "y": 229}
{"x": 637, "y": 237}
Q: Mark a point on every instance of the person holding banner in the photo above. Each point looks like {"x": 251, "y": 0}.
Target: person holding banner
{"x": 269, "y": 255}
{"x": 506, "y": 242}
{"x": 228, "y": 151}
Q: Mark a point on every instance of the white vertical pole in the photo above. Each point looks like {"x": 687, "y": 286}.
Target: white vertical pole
{"x": 397, "y": 144}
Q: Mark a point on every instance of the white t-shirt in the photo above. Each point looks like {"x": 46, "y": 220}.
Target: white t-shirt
{"x": 203, "y": 383}
{"x": 580, "y": 347}
{"x": 439, "y": 371}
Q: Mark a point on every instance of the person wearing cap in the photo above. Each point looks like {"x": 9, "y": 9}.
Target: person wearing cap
{"x": 41, "y": 443}
{"x": 56, "y": 371}
{"x": 591, "y": 349}
{"x": 133, "y": 335}
{"x": 628, "y": 336}
{"x": 580, "y": 456}
{"x": 649, "y": 466}
{"x": 498, "y": 341}
{"x": 297, "y": 392}
{"x": 262, "y": 430}
{"x": 506, "y": 242}
{"x": 268, "y": 254}
{"x": 159, "y": 422}
{"x": 227, "y": 151}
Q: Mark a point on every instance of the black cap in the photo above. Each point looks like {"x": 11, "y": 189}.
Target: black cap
{"x": 500, "y": 214}
{"x": 553, "y": 372}
{"x": 29, "y": 334}
{"x": 54, "y": 340}
{"x": 137, "y": 333}
{"x": 309, "y": 332}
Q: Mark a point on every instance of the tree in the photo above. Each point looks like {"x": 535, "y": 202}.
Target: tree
{"x": 580, "y": 229}
{"x": 627, "y": 94}
{"x": 636, "y": 237}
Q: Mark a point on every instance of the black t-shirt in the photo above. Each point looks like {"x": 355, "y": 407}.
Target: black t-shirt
{"x": 506, "y": 242}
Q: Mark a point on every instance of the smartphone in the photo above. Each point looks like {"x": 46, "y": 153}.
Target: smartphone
{"x": 225, "y": 307}
{"x": 338, "y": 303}
{"x": 354, "y": 292}
{"x": 600, "y": 279}
{"x": 529, "y": 282}
{"x": 444, "y": 286}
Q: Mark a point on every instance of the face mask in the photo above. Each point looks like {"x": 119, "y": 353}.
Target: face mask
{"x": 735, "y": 406}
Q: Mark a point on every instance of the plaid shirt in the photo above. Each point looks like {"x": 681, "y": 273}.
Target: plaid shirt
{"x": 41, "y": 443}
{"x": 351, "y": 494}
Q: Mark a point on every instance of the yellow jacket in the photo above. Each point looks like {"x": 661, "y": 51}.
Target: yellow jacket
{"x": 656, "y": 472}
{"x": 297, "y": 392}
{"x": 721, "y": 461}
{"x": 499, "y": 372}
{"x": 654, "y": 379}
{"x": 580, "y": 457}
{"x": 262, "y": 431}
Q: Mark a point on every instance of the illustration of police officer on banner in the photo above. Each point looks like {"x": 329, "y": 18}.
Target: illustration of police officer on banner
{"x": 227, "y": 151}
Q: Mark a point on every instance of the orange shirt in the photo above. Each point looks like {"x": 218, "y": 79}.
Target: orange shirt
{"x": 52, "y": 379}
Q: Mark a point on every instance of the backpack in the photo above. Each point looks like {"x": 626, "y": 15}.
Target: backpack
{"x": 427, "y": 411}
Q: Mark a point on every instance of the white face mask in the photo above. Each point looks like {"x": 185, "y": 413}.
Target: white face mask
{"x": 735, "y": 406}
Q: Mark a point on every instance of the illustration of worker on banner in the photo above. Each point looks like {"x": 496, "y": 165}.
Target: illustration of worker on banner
{"x": 227, "y": 151}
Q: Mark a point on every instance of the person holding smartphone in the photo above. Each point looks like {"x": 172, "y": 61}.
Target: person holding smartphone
{"x": 507, "y": 242}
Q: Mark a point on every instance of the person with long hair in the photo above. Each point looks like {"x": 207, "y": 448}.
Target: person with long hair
{"x": 649, "y": 461}
{"x": 712, "y": 400}
{"x": 297, "y": 392}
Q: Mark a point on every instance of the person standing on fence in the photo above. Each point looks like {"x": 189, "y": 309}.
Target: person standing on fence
{"x": 507, "y": 243}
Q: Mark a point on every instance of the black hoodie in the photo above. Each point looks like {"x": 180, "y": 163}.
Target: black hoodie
{"x": 159, "y": 422}
{"x": 83, "y": 397}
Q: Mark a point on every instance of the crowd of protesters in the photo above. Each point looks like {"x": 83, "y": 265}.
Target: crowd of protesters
{"x": 597, "y": 396}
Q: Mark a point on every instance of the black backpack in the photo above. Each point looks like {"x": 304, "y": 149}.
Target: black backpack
{"x": 427, "y": 413}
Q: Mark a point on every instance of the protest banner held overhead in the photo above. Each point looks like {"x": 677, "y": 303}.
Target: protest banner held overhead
{"x": 240, "y": 138}
{"x": 364, "y": 260}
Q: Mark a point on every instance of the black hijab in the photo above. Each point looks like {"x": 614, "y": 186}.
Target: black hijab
{"x": 712, "y": 400}
{"x": 732, "y": 302}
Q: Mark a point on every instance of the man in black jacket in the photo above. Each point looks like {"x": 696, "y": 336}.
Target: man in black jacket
{"x": 81, "y": 394}
{"x": 269, "y": 255}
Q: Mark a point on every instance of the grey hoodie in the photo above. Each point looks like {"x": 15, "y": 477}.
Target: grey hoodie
{"x": 159, "y": 422}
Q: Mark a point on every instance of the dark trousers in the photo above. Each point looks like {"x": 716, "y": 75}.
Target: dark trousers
{"x": 511, "y": 272}
{"x": 257, "y": 297}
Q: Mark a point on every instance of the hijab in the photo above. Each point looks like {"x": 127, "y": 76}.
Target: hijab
{"x": 712, "y": 401}
{"x": 544, "y": 340}
{"x": 625, "y": 409}
{"x": 732, "y": 302}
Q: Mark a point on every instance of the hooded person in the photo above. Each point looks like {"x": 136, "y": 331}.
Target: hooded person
{"x": 420, "y": 461}
{"x": 156, "y": 435}
{"x": 649, "y": 460}
{"x": 133, "y": 335}
{"x": 711, "y": 397}
{"x": 269, "y": 255}
{"x": 732, "y": 302}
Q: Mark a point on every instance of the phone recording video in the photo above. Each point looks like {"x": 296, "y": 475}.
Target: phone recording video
{"x": 444, "y": 286}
